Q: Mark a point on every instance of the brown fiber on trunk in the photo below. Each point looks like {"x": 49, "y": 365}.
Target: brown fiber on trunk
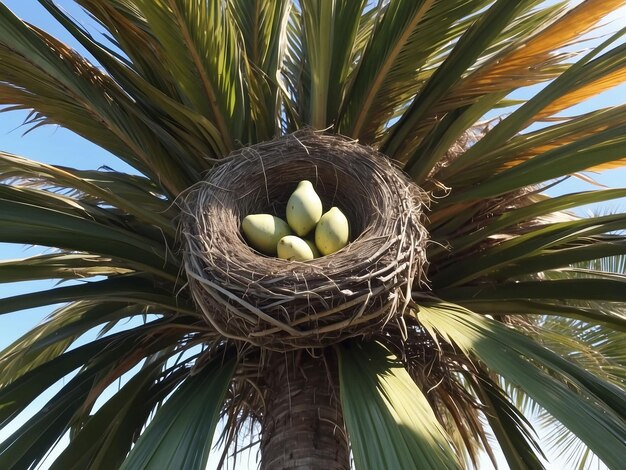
{"x": 303, "y": 425}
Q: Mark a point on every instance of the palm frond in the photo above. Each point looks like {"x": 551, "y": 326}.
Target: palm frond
{"x": 510, "y": 427}
{"x": 329, "y": 31}
{"x": 527, "y": 60}
{"x": 132, "y": 194}
{"x": 483, "y": 31}
{"x": 596, "y": 348}
{"x": 177, "y": 70}
{"x": 504, "y": 72}
{"x": 392, "y": 31}
{"x": 100, "y": 362}
{"x": 388, "y": 418}
{"x": 107, "y": 435}
{"x": 589, "y": 407}
{"x": 30, "y": 224}
{"x": 507, "y": 259}
{"x": 180, "y": 434}
{"x": 59, "y": 266}
{"x": 58, "y": 332}
{"x": 191, "y": 136}
{"x": 536, "y": 211}
{"x": 593, "y": 66}
{"x": 408, "y": 44}
{"x": 63, "y": 88}
{"x": 211, "y": 84}
{"x": 129, "y": 288}
{"x": 261, "y": 29}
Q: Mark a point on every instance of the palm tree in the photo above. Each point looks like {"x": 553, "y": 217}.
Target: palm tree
{"x": 507, "y": 322}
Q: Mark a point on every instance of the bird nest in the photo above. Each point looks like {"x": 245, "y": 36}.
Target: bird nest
{"x": 283, "y": 305}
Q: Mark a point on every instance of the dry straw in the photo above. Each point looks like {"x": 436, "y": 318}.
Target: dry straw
{"x": 284, "y": 305}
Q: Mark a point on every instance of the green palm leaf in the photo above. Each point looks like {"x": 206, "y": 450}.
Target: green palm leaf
{"x": 106, "y": 437}
{"x": 594, "y": 410}
{"x": 47, "y": 76}
{"x": 261, "y": 27}
{"x": 466, "y": 51}
{"x": 509, "y": 426}
{"x": 180, "y": 434}
{"x": 30, "y": 443}
{"x": 208, "y": 83}
{"x": 598, "y": 349}
{"x": 388, "y": 418}
{"x": 54, "y": 336}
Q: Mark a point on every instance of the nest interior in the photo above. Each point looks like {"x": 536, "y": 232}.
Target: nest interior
{"x": 283, "y": 305}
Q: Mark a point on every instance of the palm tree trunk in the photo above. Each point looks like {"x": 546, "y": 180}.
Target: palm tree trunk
{"x": 303, "y": 425}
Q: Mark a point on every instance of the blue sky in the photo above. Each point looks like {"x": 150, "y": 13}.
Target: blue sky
{"x": 58, "y": 146}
